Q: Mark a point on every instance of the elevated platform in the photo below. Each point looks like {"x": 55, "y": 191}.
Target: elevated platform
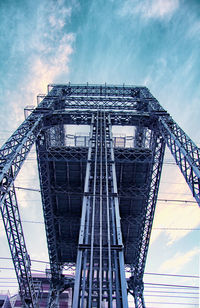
{"x": 62, "y": 168}
{"x": 63, "y": 186}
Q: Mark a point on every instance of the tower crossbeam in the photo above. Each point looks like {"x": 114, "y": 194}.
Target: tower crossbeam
{"x": 99, "y": 192}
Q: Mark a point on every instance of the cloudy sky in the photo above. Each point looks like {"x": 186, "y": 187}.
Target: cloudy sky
{"x": 155, "y": 43}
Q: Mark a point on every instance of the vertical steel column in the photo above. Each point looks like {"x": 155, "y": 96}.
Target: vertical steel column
{"x": 50, "y": 222}
{"x": 21, "y": 260}
{"x": 100, "y": 276}
{"x": 84, "y": 233}
{"x": 118, "y": 239}
{"x": 92, "y": 270}
{"x": 135, "y": 282}
{"x": 12, "y": 156}
{"x": 109, "y": 230}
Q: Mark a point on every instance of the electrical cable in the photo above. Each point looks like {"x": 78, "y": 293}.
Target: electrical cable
{"x": 156, "y": 228}
{"x": 176, "y": 200}
{"x": 171, "y": 296}
{"x": 170, "y": 285}
{"x": 159, "y": 199}
{"x": 10, "y": 268}
{"x": 157, "y": 274}
{"x": 176, "y": 229}
{"x": 167, "y": 303}
{"x": 39, "y": 261}
{"x": 145, "y": 291}
{"x": 26, "y": 188}
{"x": 161, "y": 288}
{"x": 170, "y": 292}
{"x": 172, "y": 275}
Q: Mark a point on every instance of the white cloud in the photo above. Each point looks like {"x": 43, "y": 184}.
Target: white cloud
{"x": 56, "y": 46}
{"x": 174, "y": 215}
{"x": 157, "y": 9}
{"x": 176, "y": 263}
{"x": 59, "y": 23}
{"x": 46, "y": 56}
{"x": 160, "y": 8}
{"x": 45, "y": 51}
{"x": 44, "y": 71}
{"x": 179, "y": 220}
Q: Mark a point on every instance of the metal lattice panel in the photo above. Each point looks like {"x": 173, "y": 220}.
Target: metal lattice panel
{"x": 99, "y": 194}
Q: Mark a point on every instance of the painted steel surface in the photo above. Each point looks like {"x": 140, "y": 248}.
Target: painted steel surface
{"x": 103, "y": 180}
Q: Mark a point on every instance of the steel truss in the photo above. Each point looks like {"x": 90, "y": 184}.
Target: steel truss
{"x": 21, "y": 260}
{"x": 151, "y": 191}
{"x": 57, "y": 280}
{"x": 12, "y": 155}
{"x": 100, "y": 266}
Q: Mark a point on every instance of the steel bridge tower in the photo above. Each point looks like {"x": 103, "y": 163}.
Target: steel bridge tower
{"x": 98, "y": 193}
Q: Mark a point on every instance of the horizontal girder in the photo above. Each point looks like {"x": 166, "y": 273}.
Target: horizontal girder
{"x": 79, "y": 104}
{"x": 98, "y": 90}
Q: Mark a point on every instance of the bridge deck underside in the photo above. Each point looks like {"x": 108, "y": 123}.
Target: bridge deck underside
{"x": 66, "y": 173}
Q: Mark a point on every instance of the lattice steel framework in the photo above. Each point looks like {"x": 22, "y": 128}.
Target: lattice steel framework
{"x": 103, "y": 243}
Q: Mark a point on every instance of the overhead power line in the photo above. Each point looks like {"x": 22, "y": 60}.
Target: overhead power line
{"x": 174, "y": 303}
{"x": 151, "y": 273}
{"x": 173, "y": 275}
{"x": 156, "y": 228}
{"x": 177, "y": 229}
{"x": 171, "y": 296}
{"x": 170, "y": 285}
{"x": 176, "y": 200}
{"x": 26, "y": 188}
{"x": 12, "y": 268}
{"x": 159, "y": 199}
{"x": 170, "y": 292}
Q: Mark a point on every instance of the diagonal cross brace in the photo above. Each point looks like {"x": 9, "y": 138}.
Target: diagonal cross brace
{"x": 185, "y": 153}
{"x": 12, "y": 155}
{"x": 183, "y": 149}
{"x": 21, "y": 260}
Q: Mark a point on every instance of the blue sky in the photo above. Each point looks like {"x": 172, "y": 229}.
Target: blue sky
{"x": 155, "y": 43}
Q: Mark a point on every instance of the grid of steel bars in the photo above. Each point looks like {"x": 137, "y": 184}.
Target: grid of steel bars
{"x": 21, "y": 259}
{"x": 127, "y": 105}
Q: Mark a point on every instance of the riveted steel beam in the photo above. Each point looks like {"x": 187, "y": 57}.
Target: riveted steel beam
{"x": 12, "y": 156}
